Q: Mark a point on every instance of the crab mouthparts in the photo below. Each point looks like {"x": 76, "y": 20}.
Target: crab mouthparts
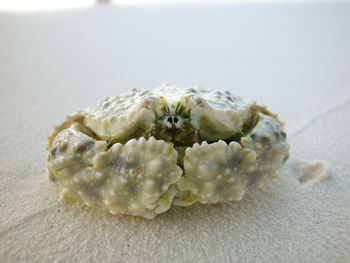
{"x": 175, "y": 129}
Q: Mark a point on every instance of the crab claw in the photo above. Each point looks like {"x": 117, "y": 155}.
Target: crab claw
{"x": 139, "y": 177}
{"x": 215, "y": 172}
{"x": 220, "y": 172}
{"x": 136, "y": 178}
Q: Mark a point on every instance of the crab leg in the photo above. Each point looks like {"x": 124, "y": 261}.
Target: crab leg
{"x": 268, "y": 140}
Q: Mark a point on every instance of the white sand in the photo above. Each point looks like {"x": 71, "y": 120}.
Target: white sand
{"x": 294, "y": 58}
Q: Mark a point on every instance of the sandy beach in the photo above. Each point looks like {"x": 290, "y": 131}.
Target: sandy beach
{"x": 294, "y": 58}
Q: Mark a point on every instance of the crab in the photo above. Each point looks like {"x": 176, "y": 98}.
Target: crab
{"x": 144, "y": 151}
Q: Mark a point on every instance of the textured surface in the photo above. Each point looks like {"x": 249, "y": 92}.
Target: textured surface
{"x": 131, "y": 179}
{"x": 135, "y": 178}
{"x": 294, "y": 58}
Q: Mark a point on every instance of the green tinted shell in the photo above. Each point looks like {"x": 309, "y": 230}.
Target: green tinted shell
{"x": 144, "y": 151}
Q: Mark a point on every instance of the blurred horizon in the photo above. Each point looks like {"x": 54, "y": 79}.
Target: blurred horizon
{"x": 42, "y": 5}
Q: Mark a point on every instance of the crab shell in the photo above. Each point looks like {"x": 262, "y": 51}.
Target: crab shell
{"x": 144, "y": 151}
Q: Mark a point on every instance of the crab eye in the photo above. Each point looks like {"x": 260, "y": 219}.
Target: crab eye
{"x": 173, "y": 120}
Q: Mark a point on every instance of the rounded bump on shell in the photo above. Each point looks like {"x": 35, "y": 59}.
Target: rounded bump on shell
{"x": 214, "y": 172}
